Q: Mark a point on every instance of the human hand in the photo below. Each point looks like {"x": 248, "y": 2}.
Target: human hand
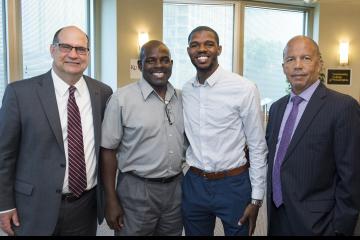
{"x": 250, "y": 214}
{"x": 6, "y": 221}
{"x": 114, "y": 215}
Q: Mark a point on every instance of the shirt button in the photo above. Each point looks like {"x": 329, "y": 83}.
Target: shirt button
{"x": 171, "y": 152}
{"x": 170, "y": 135}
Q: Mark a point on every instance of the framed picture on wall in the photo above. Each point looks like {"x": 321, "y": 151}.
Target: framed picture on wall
{"x": 339, "y": 76}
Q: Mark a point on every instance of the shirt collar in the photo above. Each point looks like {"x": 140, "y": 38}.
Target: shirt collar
{"x": 307, "y": 93}
{"x": 212, "y": 80}
{"x": 61, "y": 87}
{"x": 146, "y": 90}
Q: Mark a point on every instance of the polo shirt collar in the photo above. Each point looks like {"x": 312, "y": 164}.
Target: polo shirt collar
{"x": 146, "y": 90}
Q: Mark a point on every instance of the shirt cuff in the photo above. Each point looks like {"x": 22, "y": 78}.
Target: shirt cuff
{"x": 257, "y": 194}
{"x": 6, "y": 211}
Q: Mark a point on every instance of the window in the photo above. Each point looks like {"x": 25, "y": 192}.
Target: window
{"x": 266, "y": 32}
{"x": 180, "y": 19}
{"x": 3, "y": 78}
{"x": 40, "y": 20}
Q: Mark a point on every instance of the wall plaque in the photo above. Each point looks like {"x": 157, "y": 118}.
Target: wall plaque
{"x": 339, "y": 76}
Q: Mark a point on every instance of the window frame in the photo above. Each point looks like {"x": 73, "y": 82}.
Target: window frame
{"x": 239, "y": 17}
{"x": 308, "y": 21}
{"x": 233, "y": 5}
{"x": 5, "y": 42}
{"x": 14, "y": 39}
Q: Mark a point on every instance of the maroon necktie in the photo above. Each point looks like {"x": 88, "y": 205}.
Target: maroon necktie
{"x": 77, "y": 168}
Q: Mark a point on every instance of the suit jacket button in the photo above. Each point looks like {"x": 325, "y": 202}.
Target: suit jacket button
{"x": 62, "y": 165}
{"x": 58, "y": 191}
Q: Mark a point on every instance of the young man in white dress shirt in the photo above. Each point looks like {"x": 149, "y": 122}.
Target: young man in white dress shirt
{"x": 222, "y": 114}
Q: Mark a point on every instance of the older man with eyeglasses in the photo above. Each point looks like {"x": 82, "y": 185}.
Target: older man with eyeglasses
{"x": 50, "y": 128}
{"x": 143, "y": 137}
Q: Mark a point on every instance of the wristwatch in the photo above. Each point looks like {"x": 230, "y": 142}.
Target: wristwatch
{"x": 256, "y": 202}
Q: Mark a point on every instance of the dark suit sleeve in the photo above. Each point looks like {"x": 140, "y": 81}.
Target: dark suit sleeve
{"x": 10, "y": 131}
{"x": 347, "y": 158}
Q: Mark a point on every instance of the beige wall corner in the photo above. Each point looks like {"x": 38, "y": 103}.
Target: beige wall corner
{"x": 337, "y": 23}
{"x": 134, "y": 17}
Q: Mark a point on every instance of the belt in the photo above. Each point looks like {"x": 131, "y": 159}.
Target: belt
{"x": 157, "y": 180}
{"x": 220, "y": 175}
{"x": 70, "y": 197}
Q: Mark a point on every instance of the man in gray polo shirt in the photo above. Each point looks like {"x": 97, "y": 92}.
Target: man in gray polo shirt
{"x": 143, "y": 137}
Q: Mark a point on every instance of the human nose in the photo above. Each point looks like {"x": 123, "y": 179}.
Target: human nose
{"x": 298, "y": 63}
{"x": 73, "y": 53}
{"x": 159, "y": 62}
{"x": 202, "y": 48}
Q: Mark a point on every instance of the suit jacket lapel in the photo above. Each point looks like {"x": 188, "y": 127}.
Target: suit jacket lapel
{"x": 46, "y": 92}
{"x": 279, "y": 113}
{"x": 96, "y": 110}
{"x": 312, "y": 109}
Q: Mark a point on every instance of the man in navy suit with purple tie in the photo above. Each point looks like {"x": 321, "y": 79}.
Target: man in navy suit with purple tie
{"x": 313, "y": 136}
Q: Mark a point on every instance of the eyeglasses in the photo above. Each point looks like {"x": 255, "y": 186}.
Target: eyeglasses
{"x": 66, "y": 48}
{"x": 169, "y": 115}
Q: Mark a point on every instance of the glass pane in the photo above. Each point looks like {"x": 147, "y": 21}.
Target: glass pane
{"x": 180, "y": 19}
{"x": 3, "y": 79}
{"x": 40, "y": 20}
{"x": 265, "y": 36}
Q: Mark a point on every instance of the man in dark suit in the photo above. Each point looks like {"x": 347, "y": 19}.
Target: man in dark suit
{"x": 313, "y": 136}
{"x": 47, "y": 124}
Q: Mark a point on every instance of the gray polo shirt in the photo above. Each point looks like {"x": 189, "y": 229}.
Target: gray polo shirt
{"x": 137, "y": 126}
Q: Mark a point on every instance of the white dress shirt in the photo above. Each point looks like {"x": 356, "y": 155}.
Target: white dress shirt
{"x": 220, "y": 117}
{"x": 83, "y": 101}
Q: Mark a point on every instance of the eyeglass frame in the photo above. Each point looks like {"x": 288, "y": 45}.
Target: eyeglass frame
{"x": 167, "y": 112}
{"x": 66, "y": 50}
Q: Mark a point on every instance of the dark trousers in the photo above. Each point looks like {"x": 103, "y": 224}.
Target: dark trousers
{"x": 78, "y": 217}
{"x": 203, "y": 200}
{"x": 279, "y": 224}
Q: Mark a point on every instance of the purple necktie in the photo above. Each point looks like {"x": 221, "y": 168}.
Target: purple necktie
{"x": 77, "y": 168}
{"x": 284, "y": 143}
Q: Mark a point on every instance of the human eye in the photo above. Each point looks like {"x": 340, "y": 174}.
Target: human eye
{"x": 209, "y": 44}
{"x": 193, "y": 45}
{"x": 81, "y": 50}
{"x": 289, "y": 60}
{"x": 307, "y": 59}
{"x": 150, "y": 61}
{"x": 165, "y": 60}
{"x": 65, "y": 47}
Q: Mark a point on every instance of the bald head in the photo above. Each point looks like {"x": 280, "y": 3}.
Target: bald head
{"x": 69, "y": 29}
{"x": 151, "y": 45}
{"x": 156, "y": 65}
{"x": 301, "y": 38}
{"x": 69, "y": 63}
{"x": 301, "y": 63}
